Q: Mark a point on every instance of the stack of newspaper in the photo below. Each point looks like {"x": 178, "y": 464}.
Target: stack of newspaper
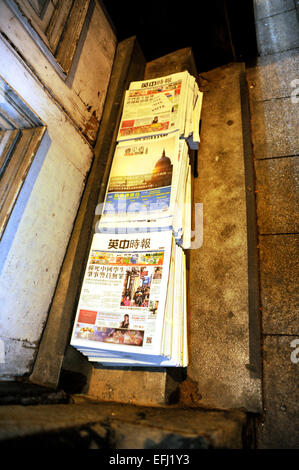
{"x": 132, "y": 306}
{"x": 162, "y": 105}
{"x": 149, "y": 188}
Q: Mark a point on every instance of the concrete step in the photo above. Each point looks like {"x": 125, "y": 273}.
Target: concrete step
{"x": 89, "y": 425}
{"x": 224, "y": 315}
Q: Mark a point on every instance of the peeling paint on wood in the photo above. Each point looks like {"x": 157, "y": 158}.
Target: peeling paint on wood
{"x": 89, "y": 73}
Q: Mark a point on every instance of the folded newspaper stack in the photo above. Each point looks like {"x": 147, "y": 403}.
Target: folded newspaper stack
{"x": 149, "y": 188}
{"x": 162, "y": 105}
{"x": 132, "y": 307}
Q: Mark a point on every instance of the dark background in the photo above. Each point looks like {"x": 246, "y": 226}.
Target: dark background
{"x": 219, "y": 31}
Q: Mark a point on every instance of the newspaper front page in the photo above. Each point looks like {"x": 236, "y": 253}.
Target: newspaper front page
{"x": 143, "y": 180}
{"x": 154, "y": 106}
{"x": 174, "y": 336}
{"x": 122, "y": 301}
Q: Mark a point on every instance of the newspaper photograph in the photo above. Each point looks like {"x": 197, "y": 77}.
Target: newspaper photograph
{"x": 122, "y": 300}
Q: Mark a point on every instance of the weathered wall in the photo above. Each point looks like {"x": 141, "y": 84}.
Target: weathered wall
{"x": 274, "y": 107}
{"x": 34, "y": 242}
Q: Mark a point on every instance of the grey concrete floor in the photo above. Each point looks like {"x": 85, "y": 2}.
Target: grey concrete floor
{"x": 107, "y": 426}
{"x": 219, "y": 308}
{"x": 274, "y": 118}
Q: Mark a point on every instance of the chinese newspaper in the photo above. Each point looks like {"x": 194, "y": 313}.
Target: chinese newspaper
{"x": 160, "y": 106}
{"x": 121, "y": 307}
